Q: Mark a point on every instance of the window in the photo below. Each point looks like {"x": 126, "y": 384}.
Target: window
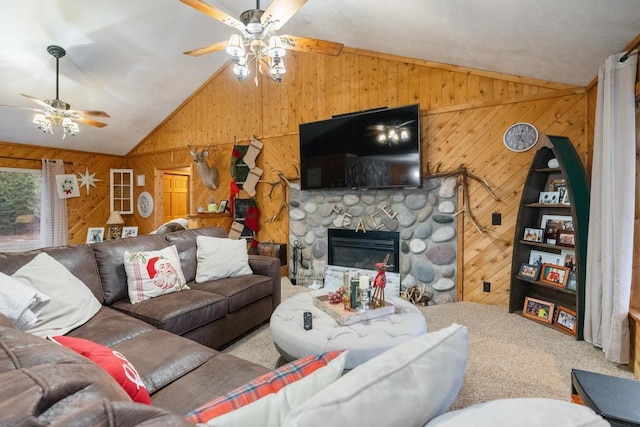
{"x": 19, "y": 209}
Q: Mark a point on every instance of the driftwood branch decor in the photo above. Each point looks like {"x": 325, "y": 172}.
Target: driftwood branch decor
{"x": 283, "y": 182}
{"x": 463, "y": 175}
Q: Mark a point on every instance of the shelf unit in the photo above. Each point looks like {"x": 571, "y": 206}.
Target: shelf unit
{"x": 531, "y": 214}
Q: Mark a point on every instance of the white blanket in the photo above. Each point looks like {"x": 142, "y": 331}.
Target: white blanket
{"x": 20, "y": 302}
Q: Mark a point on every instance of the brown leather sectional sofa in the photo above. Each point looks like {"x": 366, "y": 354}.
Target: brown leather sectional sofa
{"x": 171, "y": 339}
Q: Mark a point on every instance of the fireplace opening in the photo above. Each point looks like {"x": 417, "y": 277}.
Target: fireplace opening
{"x": 349, "y": 248}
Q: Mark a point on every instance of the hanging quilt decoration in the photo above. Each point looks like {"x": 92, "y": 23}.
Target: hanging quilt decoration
{"x": 67, "y": 186}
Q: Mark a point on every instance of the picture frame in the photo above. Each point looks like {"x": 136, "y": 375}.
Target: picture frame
{"x": 222, "y": 206}
{"x": 566, "y": 238}
{"x": 540, "y": 257}
{"x": 572, "y": 281}
{"x": 565, "y": 222}
{"x": 555, "y": 181}
{"x": 529, "y": 271}
{"x": 95, "y": 234}
{"x": 537, "y": 309}
{"x": 130, "y": 231}
{"x": 566, "y": 320}
{"x": 549, "y": 197}
{"x": 533, "y": 235}
{"x": 554, "y": 275}
{"x": 551, "y": 232}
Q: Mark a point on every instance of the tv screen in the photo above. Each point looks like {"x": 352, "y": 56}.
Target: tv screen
{"x": 372, "y": 149}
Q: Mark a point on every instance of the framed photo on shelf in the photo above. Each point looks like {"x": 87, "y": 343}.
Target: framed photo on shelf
{"x": 222, "y": 206}
{"x": 533, "y": 235}
{"x": 95, "y": 234}
{"x": 572, "y": 281}
{"x": 549, "y": 197}
{"x": 551, "y": 232}
{"x": 554, "y": 275}
{"x": 529, "y": 271}
{"x": 131, "y": 231}
{"x": 537, "y": 309}
{"x": 565, "y": 222}
{"x": 566, "y": 320}
{"x": 541, "y": 257}
{"x": 555, "y": 181}
{"x": 566, "y": 238}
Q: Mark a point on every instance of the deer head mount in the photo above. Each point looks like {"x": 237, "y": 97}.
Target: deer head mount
{"x": 209, "y": 175}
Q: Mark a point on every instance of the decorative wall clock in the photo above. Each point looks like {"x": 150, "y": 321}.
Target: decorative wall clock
{"x": 520, "y": 137}
{"x": 145, "y": 204}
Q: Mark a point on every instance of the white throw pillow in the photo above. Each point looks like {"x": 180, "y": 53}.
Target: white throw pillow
{"x": 521, "y": 413}
{"x": 72, "y": 302}
{"x": 153, "y": 273}
{"x": 20, "y": 303}
{"x": 220, "y": 257}
{"x": 405, "y": 386}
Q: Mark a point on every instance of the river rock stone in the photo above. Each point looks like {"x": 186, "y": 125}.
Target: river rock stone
{"x": 443, "y": 284}
{"x": 406, "y": 234}
{"x": 319, "y": 198}
{"x": 448, "y": 271}
{"x": 368, "y": 199}
{"x": 416, "y": 201}
{"x": 448, "y": 187}
{"x": 389, "y": 224}
{"x": 404, "y": 247}
{"x": 408, "y": 281}
{"x": 447, "y": 206}
{"x": 350, "y": 199}
{"x": 405, "y": 264}
{"x": 319, "y": 249}
{"x": 327, "y": 221}
{"x": 356, "y": 210}
{"x": 423, "y": 231}
{"x": 441, "y": 254}
{"x": 325, "y": 210}
{"x": 310, "y": 207}
{"x": 405, "y": 218}
{"x": 294, "y": 204}
{"x": 424, "y": 213}
{"x": 310, "y": 237}
{"x": 417, "y": 246}
{"x": 443, "y": 298}
{"x": 314, "y": 221}
{"x": 432, "y": 198}
{"x": 342, "y": 221}
{"x": 430, "y": 184}
{"x": 298, "y": 228}
{"x": 422, "y": 270}
{"x": 397, "y": 196}
{"x": 442, "y": 219}
{"x": 297, "y": 214}
{"x": 443, "y": 234}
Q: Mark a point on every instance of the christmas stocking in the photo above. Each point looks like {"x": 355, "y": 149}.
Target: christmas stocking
{"x": 234, "y": 189}
{"x": 236, "y": 230}
{"x": 252, "y": 152}
{"x": 253, "y": 247}
{"x": 252, "y": 179}
{"x": 235, "y": 156}
{"x": 252, "y": 218}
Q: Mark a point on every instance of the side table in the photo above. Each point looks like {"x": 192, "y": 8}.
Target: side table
{"x": 615, "y": 399}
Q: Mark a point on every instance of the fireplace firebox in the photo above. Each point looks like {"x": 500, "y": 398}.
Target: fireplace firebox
{"x": 350, "y": 248}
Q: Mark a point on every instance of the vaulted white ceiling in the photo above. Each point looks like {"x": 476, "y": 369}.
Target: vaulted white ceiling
{"x": 125, "y": 56}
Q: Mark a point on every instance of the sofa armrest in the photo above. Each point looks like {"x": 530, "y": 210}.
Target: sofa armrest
{"x": 268, "y": 266}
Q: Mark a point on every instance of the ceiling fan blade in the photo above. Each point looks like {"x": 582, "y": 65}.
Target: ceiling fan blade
{"x": 280, "y": 11}
{"x": 93, "y": 113}
{"x": 25, "y": 108}
{"x": 215, "y": 13}
{"x": 207, "y": 49}
{"x": 305, "y": 44}
{"x": 89, "y": 121}
{"x": 36, "y": 100}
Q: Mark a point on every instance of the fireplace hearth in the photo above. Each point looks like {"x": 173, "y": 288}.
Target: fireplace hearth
{"x": 350, "y": 248}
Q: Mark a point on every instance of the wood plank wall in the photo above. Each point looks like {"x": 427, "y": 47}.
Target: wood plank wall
{"x": 464, "y": 115}
{"x": 88, "y": 210}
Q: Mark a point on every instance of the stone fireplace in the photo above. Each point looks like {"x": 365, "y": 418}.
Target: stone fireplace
{"x": 423, "y": 219}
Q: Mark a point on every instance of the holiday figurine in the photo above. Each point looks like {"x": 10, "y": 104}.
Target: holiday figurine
{"x": 379, "y": 283}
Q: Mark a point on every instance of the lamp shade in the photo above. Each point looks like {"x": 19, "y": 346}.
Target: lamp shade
{"x": 115, "y": 218}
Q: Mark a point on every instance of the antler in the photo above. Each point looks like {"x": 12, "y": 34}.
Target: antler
{"x": 284, "y": 182}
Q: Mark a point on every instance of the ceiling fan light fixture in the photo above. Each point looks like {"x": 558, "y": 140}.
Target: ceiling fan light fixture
{"x": 70, "y": 127}
{"x": 276, "y": 47}
{"x": 277, "y": 70}
{"x": 235, "y": 47}
{"x": 43, "y": 123}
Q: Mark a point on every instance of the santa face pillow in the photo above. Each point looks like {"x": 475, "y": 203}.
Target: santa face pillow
{"x": 153, "y": 273}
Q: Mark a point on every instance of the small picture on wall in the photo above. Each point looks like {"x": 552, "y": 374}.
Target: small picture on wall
{"x": 537, "y": 309}
{"x": 95, "y": 234}
{"x": 533, "y": 235}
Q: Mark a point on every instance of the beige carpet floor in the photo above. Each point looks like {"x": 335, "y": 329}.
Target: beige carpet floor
{"x": 509, "y": 355}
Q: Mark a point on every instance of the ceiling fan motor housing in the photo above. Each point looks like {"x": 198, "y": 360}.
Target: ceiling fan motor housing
{"x": 58, "y": 104}
{"x": 252, "y": 20}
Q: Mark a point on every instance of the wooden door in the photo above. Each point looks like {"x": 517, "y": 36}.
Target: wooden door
{"x": 176, "y": 196}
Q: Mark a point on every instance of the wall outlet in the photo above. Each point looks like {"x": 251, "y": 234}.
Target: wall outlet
{"x": 486, "y": 286}
{"x": 496, "y": 218}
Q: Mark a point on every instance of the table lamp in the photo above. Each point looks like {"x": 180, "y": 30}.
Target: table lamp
{"x": 114, "y": 221}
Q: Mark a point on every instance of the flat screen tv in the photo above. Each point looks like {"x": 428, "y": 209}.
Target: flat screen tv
{"x": 372, "y": 149}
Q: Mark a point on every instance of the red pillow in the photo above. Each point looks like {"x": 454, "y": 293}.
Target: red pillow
{"x": 111, "y": 361}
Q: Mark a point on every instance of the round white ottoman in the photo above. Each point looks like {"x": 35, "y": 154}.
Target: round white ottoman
{"x": 364, "y": 340}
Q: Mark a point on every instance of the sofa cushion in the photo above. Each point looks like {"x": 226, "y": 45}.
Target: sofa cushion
{"x": 521, "y": 413}
{"x": 113, "y": 362}
{"x": 271, "y": 396}
{"x": 109, "y": 257}
{"x": 153, "y": 273}
{"x": 240, "y": 291}
{"x": 110, "y": 327}
{"x": 178, "y": 312}
{"x": 405, "y": 386}
{"x": 219, "y": 258}
{"x": 185, "y": 242}
{"x": 161, "y": 357}
{"x": 72, "y": 303}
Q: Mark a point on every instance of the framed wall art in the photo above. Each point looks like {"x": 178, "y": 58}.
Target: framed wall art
{"x": 537, "y": 309}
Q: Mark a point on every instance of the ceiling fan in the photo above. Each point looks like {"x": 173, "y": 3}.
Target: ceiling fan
{"x": 392, "y": 133}
{"x": 57, "y": 112}
{"x": 257, "y": 42}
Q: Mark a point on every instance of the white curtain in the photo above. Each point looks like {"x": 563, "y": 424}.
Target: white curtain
{"x": 610, "y": 244}
{"x": 53, "y": 209}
